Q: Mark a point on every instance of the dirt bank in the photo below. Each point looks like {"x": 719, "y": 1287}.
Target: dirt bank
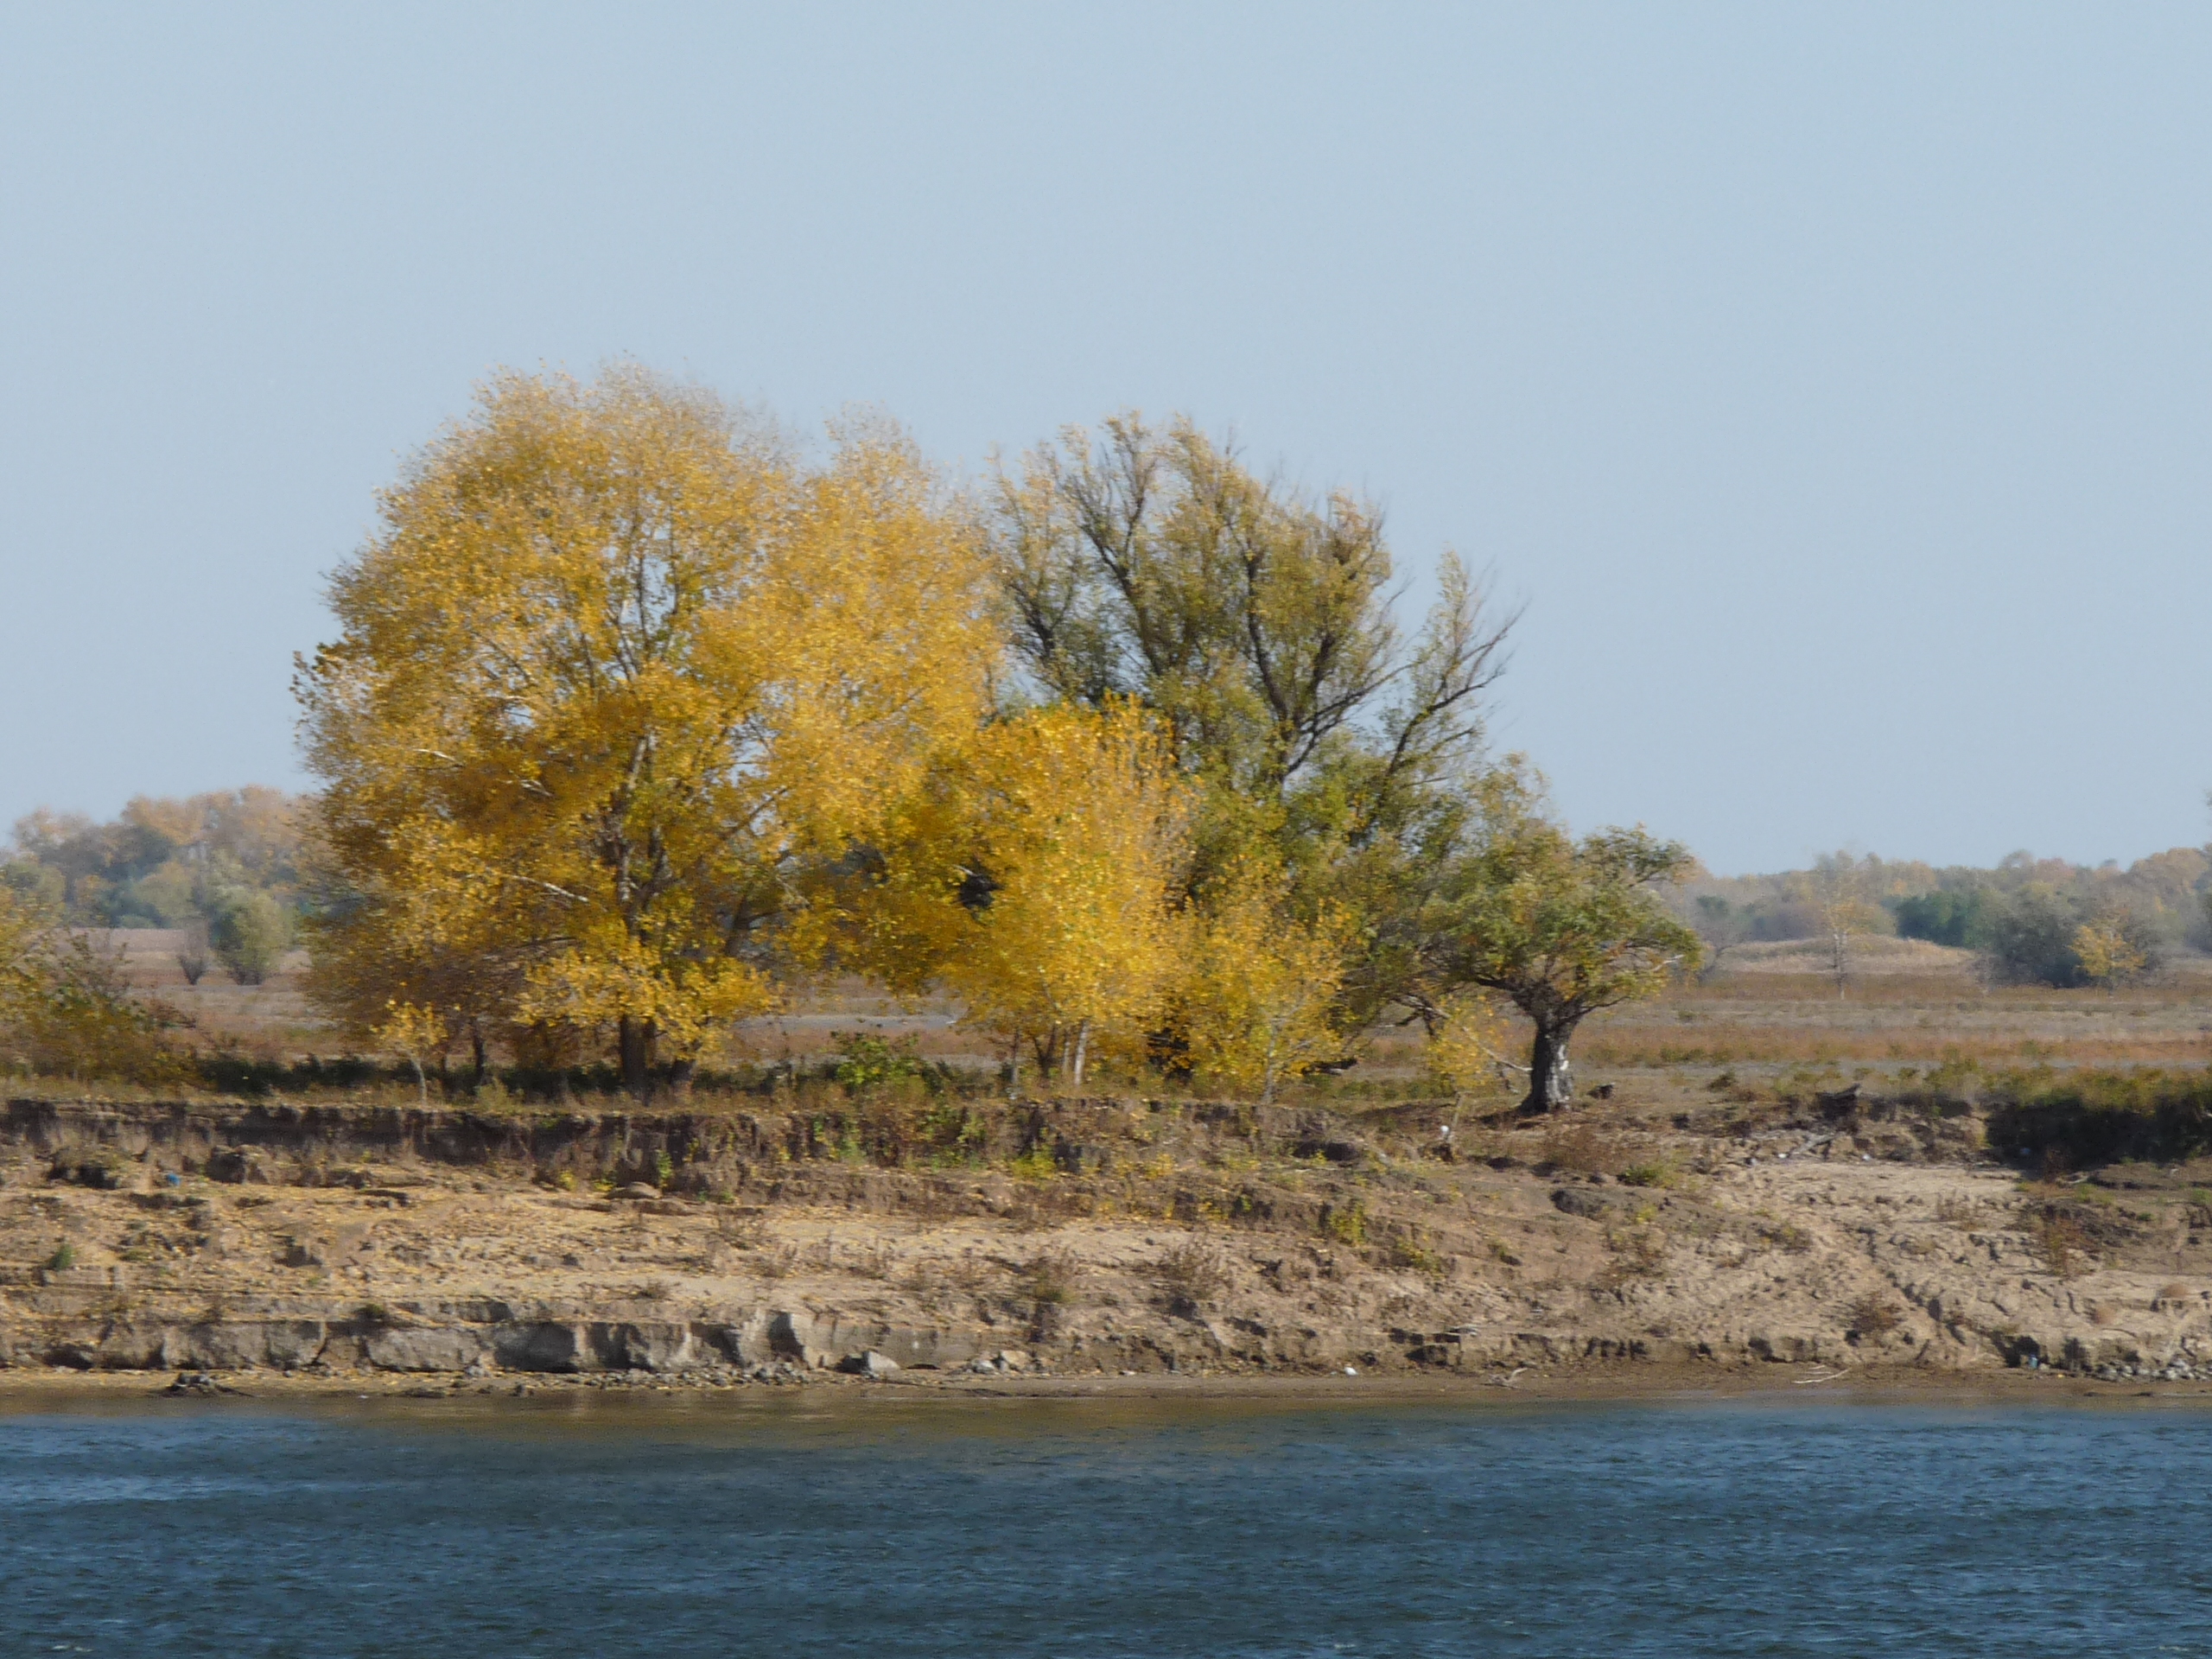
{"x": 1099, "y": 1239}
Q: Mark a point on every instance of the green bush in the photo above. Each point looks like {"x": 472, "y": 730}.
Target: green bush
{"x": 1955, "y": 917}
{"x": 2089, "y": 1118}
{"x": 251, "y": 934}
{"x": 864, "y": 1062}
{"x": 1346, "y": 1222}
{"x": 2029, "y": 939}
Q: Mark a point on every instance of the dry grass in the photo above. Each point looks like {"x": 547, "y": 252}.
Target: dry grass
{"x": 1872, "y": 1315}
{"x": 1965, "y": 1214}
{"x": 1792, "y": 1045}
{"x": 1906, "y": 1020}
{"x": 1909, "y": 1009}
{"x": 1192, "y": 1274}
{"x": 1577, "y": 1147}
{"x": 2061, "y": 1243}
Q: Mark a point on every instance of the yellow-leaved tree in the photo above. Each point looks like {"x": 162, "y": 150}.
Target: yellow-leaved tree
{"x": 1467, "y": 1046}
{"x": 2108, "y": 952}
{"x": 1079, "y": 825}
{"x": 1258, "y": 1001}
{"x": 1035, "y": 880}
{"x": 67, "y": 1009}
{"x": 615, "y": 669}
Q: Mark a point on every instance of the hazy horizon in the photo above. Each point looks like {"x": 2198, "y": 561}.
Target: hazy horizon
{"x": 1826, "y": 384}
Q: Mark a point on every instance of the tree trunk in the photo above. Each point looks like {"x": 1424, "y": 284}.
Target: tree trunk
{"x": 634, "y": 1042}
{"x": 1081, "y": 1051}
{"x": 680, "y": 1076}
{"x": 1551, "y": 1081}
{"x": 477, "y": 1057}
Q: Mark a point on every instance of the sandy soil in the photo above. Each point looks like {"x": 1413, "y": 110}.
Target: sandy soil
{"x": 1552, "y": 1256}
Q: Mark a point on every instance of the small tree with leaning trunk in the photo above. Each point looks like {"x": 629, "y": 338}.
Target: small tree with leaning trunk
{"x": 1558, "y": 926}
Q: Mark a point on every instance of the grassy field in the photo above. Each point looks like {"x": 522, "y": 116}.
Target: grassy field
{"x": 1908, "y": 1011}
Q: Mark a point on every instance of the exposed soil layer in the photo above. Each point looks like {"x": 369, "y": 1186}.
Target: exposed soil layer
{"x": 1015, "y": 1242}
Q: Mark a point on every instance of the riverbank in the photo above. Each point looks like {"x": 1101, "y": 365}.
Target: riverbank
{"x": 1107, "y": 1245}
{"x": 49, "y": 1388}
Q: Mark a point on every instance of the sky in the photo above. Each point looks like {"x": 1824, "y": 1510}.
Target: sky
{"x": 1829, "y": 383}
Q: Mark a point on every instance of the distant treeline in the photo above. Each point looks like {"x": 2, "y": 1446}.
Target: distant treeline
{"x": 223, "y": 867}
{"x": 2031, "y": 920}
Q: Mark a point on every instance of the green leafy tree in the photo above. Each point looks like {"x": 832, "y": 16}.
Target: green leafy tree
{"x": 250, "y": 934}
{"x": 1956, "y": 917}
{"x": 2029, "y": 937}
{"x": 1150, "y": 563}
{"x": 1558, "y": 926}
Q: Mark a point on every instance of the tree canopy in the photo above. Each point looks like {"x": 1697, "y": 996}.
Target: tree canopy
{"x": 1560, "y": 927}
{"x": 1149, "y": 563}
{"x": 614, "y": 667}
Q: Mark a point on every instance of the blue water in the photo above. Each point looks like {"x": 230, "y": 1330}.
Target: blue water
{"x": 1020, "y": 1529}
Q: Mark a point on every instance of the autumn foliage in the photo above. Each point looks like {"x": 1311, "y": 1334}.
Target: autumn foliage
{"x": 613, "y": 674}
{"x": 638, "y": 714}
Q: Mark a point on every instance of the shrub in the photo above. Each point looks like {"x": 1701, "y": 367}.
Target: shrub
{"x": 1192, "y": 1274}
{"x": 1409, "y": 1251}
{"x": 1640, "y": 1253}
{"x": 1786, "y": 1236}
{"x": 1872, "y": 1315}
{"x": 65, "y": 1008}
{"x": 866, "y": 1062}
{"x": 2059, "y": 1239}
{"x": 1579, "y": 1149}
{"x": 1652, "y": 1172}
{"x": 251, "y": 934}
{"x": 1049, "y": 1279}
{"x": 191, "y": 955}
{"x": 1346, "y": 1222}
{"x": 1959, "y": 917}
{"x": 2083, "y": 1119}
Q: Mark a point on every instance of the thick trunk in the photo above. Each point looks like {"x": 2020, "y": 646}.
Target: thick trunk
{"x": 634, "y": 1042}
{"x": 1081, "y": 1051}
{"x": 1551, "y": 1081}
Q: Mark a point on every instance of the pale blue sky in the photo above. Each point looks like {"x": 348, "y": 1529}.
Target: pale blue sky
{"x": 1832, "y": 382}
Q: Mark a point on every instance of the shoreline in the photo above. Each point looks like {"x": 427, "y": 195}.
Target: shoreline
{"x": 28, "y": 1391}
{"x": 1101, "y": 1248}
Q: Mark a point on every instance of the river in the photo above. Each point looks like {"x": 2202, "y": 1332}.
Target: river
{"x": 1049, "y": 1528}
